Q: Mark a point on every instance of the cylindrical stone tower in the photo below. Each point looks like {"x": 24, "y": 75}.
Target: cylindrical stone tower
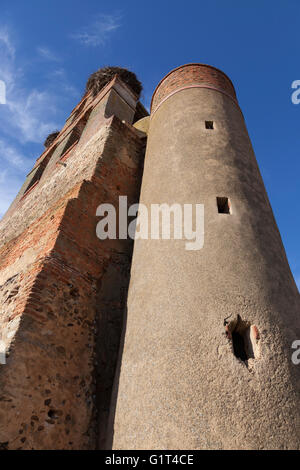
{"x": 207, "y": 358}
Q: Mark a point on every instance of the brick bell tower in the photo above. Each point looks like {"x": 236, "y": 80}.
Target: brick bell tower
{"x": 206, "y": 362}
{"x": 62, "y": 290}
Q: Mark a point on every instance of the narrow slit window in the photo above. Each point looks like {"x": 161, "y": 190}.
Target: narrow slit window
{"x": 223, "y": 204}
{"x": 209, "y": 124}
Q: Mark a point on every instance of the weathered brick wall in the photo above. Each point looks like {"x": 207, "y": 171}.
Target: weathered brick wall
{"x": 189, "y": 75}
{"x": 63, "y": 291}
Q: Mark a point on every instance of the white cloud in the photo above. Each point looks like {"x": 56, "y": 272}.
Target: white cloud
{"x": 45, "y": 53}
{"x": 6, "y": 41}
{"x": 98, "y": 33}
{"x": 9, "y": 187}
{"x": 13, "y": 166}
{"x": 64, "y": 84}
{"x": 3, "y": 174}
{"x": 11, "y": 156}
{"x": 24, "y": 111}
{"x": 28, "y": 116}
{"x": 7, "y": 55}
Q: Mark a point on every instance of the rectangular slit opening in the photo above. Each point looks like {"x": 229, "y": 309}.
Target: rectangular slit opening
{"x": 223, "y": 204}
{"x": 209, "y": 124}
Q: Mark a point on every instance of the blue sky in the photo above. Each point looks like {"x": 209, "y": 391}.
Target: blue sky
{"x": 49, "y": 48}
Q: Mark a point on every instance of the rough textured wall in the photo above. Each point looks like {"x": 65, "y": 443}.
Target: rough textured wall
{"x": 181, "y": 385}
{"x": 55, "y": 387}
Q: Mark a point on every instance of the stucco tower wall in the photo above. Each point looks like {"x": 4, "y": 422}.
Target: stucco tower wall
{"x": 181, "y": 386}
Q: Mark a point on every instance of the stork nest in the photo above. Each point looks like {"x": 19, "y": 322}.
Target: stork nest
{"x": 50, "y": 139}
{"x": 103, "y": 76}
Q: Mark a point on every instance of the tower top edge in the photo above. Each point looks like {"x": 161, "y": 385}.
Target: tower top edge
{"x": 191, "y": 74}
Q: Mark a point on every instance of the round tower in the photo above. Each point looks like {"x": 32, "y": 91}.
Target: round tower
{"x": 207, "y": 358}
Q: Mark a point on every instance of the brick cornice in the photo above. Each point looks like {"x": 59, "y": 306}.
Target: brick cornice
{"x": 191, "y": 76}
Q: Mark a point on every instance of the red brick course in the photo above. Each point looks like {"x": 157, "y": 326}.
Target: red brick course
{"x": 188, "y": 75}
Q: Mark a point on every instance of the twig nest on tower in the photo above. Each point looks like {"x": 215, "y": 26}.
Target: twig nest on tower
{"x": 50, "y": 139}
{"x": 103, "y": 76}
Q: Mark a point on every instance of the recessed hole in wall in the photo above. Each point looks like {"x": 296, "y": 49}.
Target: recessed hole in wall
{"x": 223, "y": 204}
{"x": 52, "y": 414}
{"x": 239, "y": 346}
{"x": 209, "y": 124}
{"x": 245, "y": 339}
